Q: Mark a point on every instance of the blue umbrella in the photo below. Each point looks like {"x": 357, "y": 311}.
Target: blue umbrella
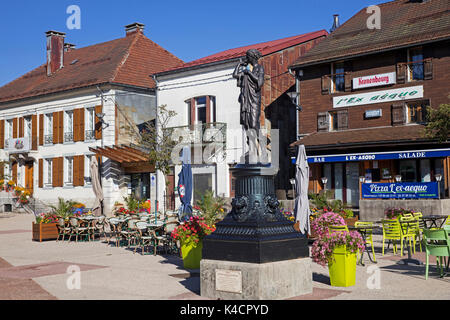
{"x": 185, "y": 185}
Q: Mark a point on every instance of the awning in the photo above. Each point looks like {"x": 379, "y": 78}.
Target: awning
{"x": 128, "y": 157}
{"x": 394, "y": 155}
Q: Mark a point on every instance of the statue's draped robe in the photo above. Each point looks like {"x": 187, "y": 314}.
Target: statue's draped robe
{"x": 250, "y": 97}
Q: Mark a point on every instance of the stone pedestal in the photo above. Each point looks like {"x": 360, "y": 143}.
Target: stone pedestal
{"x": 230, "y": 280}
{"x": 255, "y": 239}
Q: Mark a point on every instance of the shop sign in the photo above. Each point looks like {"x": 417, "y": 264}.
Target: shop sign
{"x": 417, "y": 154}
{"x": 18, "y": 145}
{"x": 403, "y": 190}
{"x": 370, "y": 114}
{"x": 374, "y": 80}
{"x": 378, "y": 97}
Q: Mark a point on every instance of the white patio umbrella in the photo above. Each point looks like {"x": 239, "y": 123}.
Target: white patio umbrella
{"x": 301, "y": 210}
{"x": 96, "y": 187}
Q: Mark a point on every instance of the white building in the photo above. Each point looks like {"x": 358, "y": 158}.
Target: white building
{"x": 76, "y": 105}
{"x": 204, "y": 95}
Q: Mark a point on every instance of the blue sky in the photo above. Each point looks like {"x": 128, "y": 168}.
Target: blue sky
{"x": 189, "y": 29}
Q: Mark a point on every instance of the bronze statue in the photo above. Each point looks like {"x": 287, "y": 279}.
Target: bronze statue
{"x": 250, "y": 78}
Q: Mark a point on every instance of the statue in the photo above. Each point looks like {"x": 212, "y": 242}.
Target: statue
{"x": 250, "y": 78}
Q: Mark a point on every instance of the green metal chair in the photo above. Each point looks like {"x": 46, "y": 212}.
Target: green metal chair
{"x": 437, "y": 244}
{"x": 410, "y": 228}
{"x": 392, "y": 231}
{"x": 369, "y": 238}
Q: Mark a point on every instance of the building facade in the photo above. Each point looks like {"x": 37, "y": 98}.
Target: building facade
{"x": 82, "y": 104}
{"x": 365, "y": 94}
{"x": 205, "y": 98}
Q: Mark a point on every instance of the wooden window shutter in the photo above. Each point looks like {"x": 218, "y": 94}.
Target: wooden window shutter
{"x": 21, "y": 127}
{"x": 41, "y": 173}
{"x": 342, "y": 119}
{"x": 2, "y": 134}
{"x": 428, "y": 69}
{"x": 348, "y": 81}
{"x": 208, "y": 109}
{"x": 61, "y": 127}
{"x": 55, "y": 128}
{"x": 326, "y": 84}
{"x": 14, "y": 172}
{"x": 398, "y": 113}
{"x": 34, "y": 135}
{"x": 401, "y": 73}
{"x": 192, "y": 111}
{"x": 98, "y": 124}
{"x": 81, "y": 129}
{"x": 78, "y": 171}
{"x": 58, "y": 172}
{"x": 41, "y": 129}
{"x": 14, "y": 128}
{"x": 322, "y": 121}
{"x": 76, "y": 125}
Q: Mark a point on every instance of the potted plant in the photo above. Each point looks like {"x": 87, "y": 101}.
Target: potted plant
{"x": 336, "y": 249}
{"x": 44, "y": 228}
{"x": 211, "y": 208}
{"x": 190, "y": 234}
{"x": 395, "y": 213}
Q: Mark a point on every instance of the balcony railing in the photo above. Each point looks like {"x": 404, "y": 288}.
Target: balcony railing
{"x": 203, "y": 132}
{"x": 68, "y": 137}
{"x": 48, "y": 139}
{"x": 89, "y": 135}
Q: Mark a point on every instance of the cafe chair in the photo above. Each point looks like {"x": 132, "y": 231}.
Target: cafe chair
{"x": 437, "y": 244}
{"x": 143, "y": 238}
{"x": 419, "y": 231}
{"x": 78, "y": 229}
{"x": 369, "y": 238}
{"x": 409, "y": 228}
{"x": 114, "y": 226}
{"x": 63, "y": 229}
{"x": 129, "y": 235}
{"x": 169, "y": 244}
{"x": 391, "y": 233}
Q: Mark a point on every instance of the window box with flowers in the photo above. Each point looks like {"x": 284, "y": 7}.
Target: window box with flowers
{"x": 336, "y": 249}
{"x": 190, "y": 234}
{"x": 45, "y": 227}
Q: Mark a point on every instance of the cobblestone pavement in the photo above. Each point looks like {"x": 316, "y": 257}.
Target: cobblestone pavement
{"x": 42, "y": 271}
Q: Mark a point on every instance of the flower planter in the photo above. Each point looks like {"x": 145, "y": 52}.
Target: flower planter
{"x": 351, "y": 221}
{"x": 192, "y": 254}
{"x": 343, "y": 268}
{"x": 45, "y": 231}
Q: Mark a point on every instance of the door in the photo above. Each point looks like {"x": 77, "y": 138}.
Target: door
{"x": 352, "y": 179}
{"x": 29, "y": 170}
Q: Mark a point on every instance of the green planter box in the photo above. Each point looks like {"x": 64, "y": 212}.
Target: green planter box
{"x": 192, "y": 254}
{"x": 343, "y": 268}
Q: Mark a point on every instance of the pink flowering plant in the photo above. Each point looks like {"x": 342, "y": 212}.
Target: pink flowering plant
{"x": 193, "y": 230}
{"x": 322, "y": 221}
{"x": 394, "y": 213}
{"x": 322, "y": 248}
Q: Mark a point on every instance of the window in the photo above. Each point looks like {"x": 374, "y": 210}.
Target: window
{"x": 337, "y": 120}
{"x": 415, "y": 64}
{"x": 48, "y": 129}
{"x": 90, "y": 124}
{"x": 68, "y": 126}
{"x": 337, "y": 77}
{"x": 333, "y": 121}
{"x": 87, "y": 170}
{"x": 417, "y": 112}
{"x": 408, "y": 170}
{"x": 68, "y": 172}
{"x": 48, "y": 172}
{"x": 202, "y": 183}
{"x": 27, "y": 129}
{"x": 200, "y": 110}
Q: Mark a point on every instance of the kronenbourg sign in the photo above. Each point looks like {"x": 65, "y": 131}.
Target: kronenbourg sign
{"x": 404, "y": 190}
{"x": 374, "y": 80}
{"x": 378, "y": 97}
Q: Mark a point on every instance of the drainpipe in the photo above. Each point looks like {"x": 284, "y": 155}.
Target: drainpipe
{"x": 297, "y": 89}
{"x": 156, "y": 125}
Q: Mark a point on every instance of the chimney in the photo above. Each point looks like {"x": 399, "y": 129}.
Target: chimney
{"x": 335, "y": 22}
{"x": 134, "y": 28}
{"x": 69, "y": 47}
{"x": 55, "y": 51}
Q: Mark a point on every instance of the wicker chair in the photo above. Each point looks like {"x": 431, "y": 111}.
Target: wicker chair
{"x": 143, "y": 237}
{"x": 77, "y": 229}
{"x": 63, "y": 228}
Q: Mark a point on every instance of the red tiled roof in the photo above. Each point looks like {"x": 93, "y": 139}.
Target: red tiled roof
{"x": 403, "y": 23}
{"x": 129, "y": 60}
{"x": 265, "y": 48}
{"x": 407, "y": 133}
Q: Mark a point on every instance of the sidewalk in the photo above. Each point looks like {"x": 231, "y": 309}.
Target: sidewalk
{"x": 107, "y": 272}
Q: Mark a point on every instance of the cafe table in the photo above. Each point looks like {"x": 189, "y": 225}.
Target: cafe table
{"x": 363, "y": 232}
{"x": 434, "y": 221}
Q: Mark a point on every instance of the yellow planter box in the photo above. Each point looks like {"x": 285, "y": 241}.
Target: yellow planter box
{"x": 192, "y": 254}
{"x": 343, "y": 269}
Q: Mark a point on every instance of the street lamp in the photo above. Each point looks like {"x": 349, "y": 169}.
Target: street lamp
{"x": 324, "y": 181}
{"x": 398, "y": 178}
{"x": 438, "y": 178}
{"x": 293, "y": 96}
{"x": 362, "y": 179}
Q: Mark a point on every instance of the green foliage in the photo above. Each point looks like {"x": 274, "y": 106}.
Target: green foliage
{"x": 323, "y": 201}
{"x": 132, "y": 203}
{"x": 211, "y": 208}
{"x": 64, "y": 208}
{"x": 438, "y": 126}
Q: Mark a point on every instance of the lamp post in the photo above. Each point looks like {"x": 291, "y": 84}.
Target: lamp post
{"x": 292, "y": 181}
{"x": 293, "y": 96}
{"x": 362, "y": 179}
{"x": 398, "y": 178}
{"x": 438, "y": 178}
{"x": 324, "y": 181}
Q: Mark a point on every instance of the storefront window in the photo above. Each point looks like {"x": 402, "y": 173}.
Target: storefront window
{"x": 425, "y": 170}
{"x": 202, "y": 183}
{"x": 408, "y": 170}
{"x": 140, "y": 185}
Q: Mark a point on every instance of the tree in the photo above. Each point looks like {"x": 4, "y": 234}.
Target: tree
{"x": 157, "y": 139}
{"x": 438, "y": 126}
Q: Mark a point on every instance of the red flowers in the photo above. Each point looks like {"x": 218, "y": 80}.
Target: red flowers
{"x": 193, "y": 230}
